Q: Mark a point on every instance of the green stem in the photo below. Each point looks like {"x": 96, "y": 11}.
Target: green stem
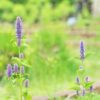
{"x": 20, "y": 91}
{"x": 18, "y": 51}
{"x": 20, "y": 79}
{"x": 26, "y": 93}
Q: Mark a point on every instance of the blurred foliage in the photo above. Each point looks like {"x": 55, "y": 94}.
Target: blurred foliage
{"x": 93, "y": 96}
{"x": 48, "y": 52}
{"x": 33, "y": 10}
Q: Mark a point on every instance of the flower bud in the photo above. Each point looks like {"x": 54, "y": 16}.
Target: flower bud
{"x": 26, "y": 83}
{"x": 22, "y": 70}
{"x": 21, "y": 55}
{"x": 77, "y": 80}
{"x": 81, "y": 67}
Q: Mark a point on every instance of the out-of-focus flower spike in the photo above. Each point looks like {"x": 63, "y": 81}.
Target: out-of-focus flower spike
{"x": 91, "y": 89}
{"x": 87, "y": 79}
{"x": 83, "y": 92}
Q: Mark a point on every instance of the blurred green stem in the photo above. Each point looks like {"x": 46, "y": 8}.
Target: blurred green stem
{"x": 21, "y": 87}
{"x": 21, "y": 95}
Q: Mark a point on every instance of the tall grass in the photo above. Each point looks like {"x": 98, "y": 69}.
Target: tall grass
{"x": 50, "y": 60}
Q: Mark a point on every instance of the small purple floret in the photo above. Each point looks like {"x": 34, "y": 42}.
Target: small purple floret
{"x": 9, "y": 70}
{"x": 26, "y": 83}
{"x": 15, "y": 68}
{"x": 22, "y": 70}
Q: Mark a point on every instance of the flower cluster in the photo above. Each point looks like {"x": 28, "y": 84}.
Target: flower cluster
{"x": 11, "y": 70}
{"x": 17, "y": 71}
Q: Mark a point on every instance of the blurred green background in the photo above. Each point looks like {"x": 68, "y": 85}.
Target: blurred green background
{"x": 52, "y": 44}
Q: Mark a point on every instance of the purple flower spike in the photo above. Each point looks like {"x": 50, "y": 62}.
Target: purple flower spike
{"x": 82, "y": 51}
{"x": 18, "y": 30}
{"x": 9, "y": 70}
{"x": 77, "y": 80}
{"x": 22, "y": 70}
{"x": 15, "y": 68}
{"x": 26, "y": 83}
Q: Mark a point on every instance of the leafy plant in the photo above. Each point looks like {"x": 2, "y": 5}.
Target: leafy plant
{"x": 16, "y": 73}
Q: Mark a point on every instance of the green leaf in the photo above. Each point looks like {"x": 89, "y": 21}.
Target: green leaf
{"x": 81, "y": 72}
{"x": 25, "y": 64}
{"x": 75, "y": 87}
{"x": 77, "y": 58}
{"x": 16, "y": 59}
{"x": 88, "y": 84}
{"x": 14, "y": 81}
{"x": 89, "y": 54}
